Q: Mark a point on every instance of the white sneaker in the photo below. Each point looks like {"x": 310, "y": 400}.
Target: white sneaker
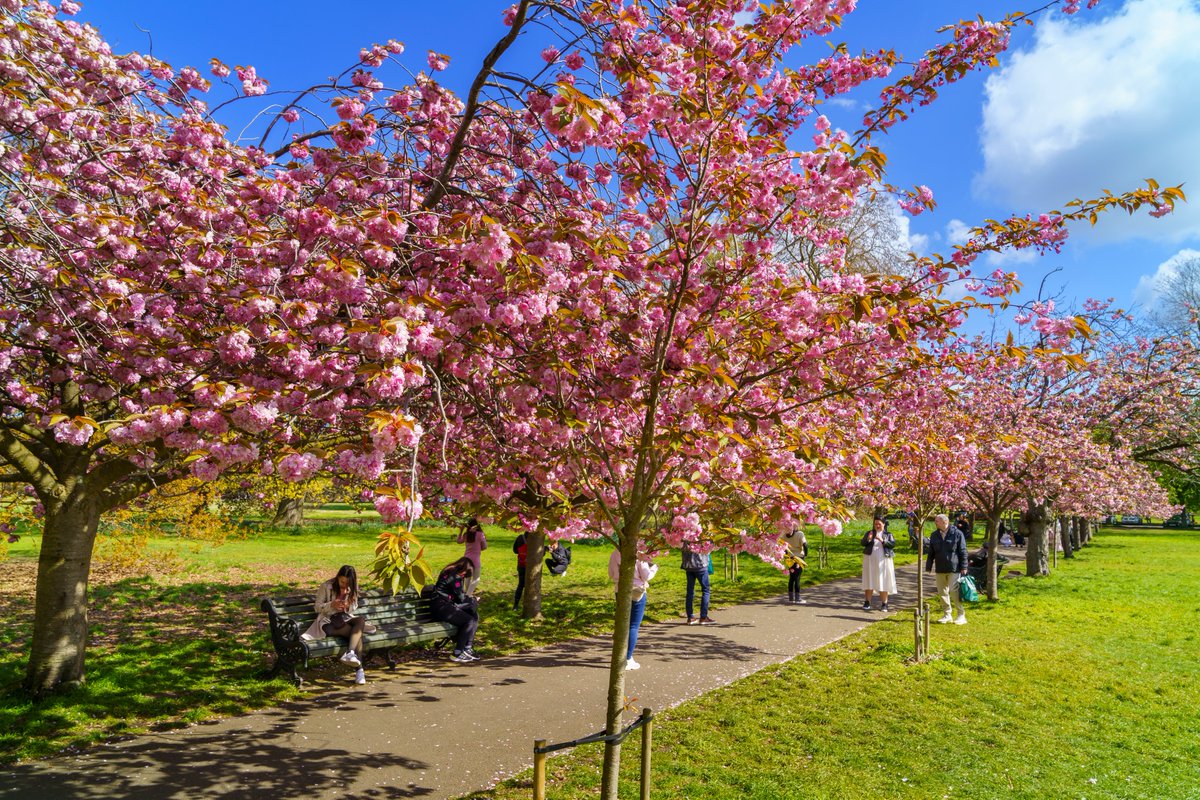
{"x": 351, "y": 658}
{"x": 801, "y": 601}
{"x": 945, "y": 619}
{"x": 359, "y": 677}
{"x": 631, "y": 664}
{"x": 961, "y": 619}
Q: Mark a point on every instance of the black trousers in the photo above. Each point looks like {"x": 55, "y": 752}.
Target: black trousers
{"x": 794, "y": 580}
{"x": 465, "y": 617}
{"x": 520, "y": 588}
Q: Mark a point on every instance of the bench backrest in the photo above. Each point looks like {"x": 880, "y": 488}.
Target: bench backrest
{"x": 379, "y": 608}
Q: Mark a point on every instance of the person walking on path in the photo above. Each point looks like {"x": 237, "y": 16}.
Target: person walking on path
{"x": 451, "y": 603}
{"x": 695, "y": 565}
{"x": 793, "y": 560}
{"x": 643, "y": 572}
{"x": 879, "y": 569}
{"x": 521, "y": 548}
{"x": 473, "y": 537}
{"x": 948, "y": 552}
{"x": 335, "y": 603}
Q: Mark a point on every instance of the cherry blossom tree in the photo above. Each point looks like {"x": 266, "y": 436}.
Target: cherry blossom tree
{"x": 628, "y": 352}
{"x": 172, "y": 304}
{"x": 1055, "y": 421}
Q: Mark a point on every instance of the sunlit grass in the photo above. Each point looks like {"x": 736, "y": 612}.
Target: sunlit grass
{"x": 1081, "y": 685}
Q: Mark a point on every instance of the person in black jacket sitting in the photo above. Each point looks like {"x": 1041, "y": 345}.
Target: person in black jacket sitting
{"x": 948, "y": 551}
{"x": 451, "y": 603}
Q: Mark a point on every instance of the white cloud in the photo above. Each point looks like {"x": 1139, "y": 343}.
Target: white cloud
{"x": 906, "y": 241}
{"x": 957, "y": 232}
{"x": 847, "y": 103}
{"x": 1149, "y": 287}
{"x": 1099, "y": 104}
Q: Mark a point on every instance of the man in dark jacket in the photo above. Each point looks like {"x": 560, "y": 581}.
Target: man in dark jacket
{"x": 948, "y": 552}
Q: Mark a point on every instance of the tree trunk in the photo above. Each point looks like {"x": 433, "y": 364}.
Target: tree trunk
{"x": 60, "y": 626}
{"x": 1064, "y": 536}
{"x": 1037, "y": 560}
{"x": 921, "y": 643}
{"x": 1077, "y": 532}
{"x": 535, "y": 556}
{"x": 993, "y": 540}
{"x": 616, "y": 669}
{"x": 289, "y": 513}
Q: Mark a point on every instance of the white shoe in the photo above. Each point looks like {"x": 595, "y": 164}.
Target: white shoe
{"x": 631, "y": 664}
{"x": 351, "y": 658}
{"x": 946, "y": 619}
{"x": 801, "y": 601}
{"x": 961, "y": 619}
{"x": 359, "y": 677}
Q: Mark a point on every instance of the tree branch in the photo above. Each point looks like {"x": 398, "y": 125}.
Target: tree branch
{"x": 441, "y": 182}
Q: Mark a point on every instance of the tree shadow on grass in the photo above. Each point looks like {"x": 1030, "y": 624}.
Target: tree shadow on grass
{"x": 160, "y": 656}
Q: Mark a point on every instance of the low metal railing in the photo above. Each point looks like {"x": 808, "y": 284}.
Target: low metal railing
{"x": 541, "y": 750}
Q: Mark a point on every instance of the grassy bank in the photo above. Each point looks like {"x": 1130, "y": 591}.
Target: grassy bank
{"x": 1085, "y": 684}
{"x": 182, "y": 639}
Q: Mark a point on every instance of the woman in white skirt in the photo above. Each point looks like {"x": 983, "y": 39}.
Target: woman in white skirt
{"x": 879, "y": 573}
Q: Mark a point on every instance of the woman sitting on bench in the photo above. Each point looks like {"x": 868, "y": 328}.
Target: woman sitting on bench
{"x": 451, "y": 603}
{"x": 336, "y": 602}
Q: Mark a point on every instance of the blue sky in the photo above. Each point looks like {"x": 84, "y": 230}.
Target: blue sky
{"x": 1101, "y": 99}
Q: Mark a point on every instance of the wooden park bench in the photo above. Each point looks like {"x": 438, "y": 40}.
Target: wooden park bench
{"x": 400, "y": 620}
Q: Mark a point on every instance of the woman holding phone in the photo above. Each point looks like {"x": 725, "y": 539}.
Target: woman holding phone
{"x": 879, "y": 571}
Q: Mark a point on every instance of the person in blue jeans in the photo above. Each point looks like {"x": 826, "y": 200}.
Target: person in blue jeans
{"x": 696, "y": 566}
{"x": 643, "y": 571}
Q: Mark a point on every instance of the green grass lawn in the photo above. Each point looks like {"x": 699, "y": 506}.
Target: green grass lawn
{"x": 186, "y": 642}
{"x": 1085, "y": 684}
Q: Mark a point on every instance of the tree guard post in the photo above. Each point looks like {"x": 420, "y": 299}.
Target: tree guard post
{"x": 539, "y": 769}
{"x": 647, "y": 722}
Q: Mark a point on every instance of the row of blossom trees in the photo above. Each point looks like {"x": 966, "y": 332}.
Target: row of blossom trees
{"x": 558, "y": 296}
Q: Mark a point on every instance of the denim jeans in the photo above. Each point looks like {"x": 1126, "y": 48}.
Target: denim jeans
{"x": 636, "y": 612}
{"x": 692, "y": 577}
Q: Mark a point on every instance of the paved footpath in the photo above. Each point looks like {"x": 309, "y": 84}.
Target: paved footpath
{"x": 435, "y": 729}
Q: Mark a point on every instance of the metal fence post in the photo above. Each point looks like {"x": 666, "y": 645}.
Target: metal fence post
{"x": 539, "y": 770}
{"x": 648, "y": 720}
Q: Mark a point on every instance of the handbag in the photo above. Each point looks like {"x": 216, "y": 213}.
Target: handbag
{"x": 967, "y": 590}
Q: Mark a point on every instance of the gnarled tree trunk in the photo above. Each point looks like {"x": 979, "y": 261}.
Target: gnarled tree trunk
{"x": 60, "y": 627}
{"x": 289, "y": 513}
{"x": 1034, "y": 518}
{"x": 1064, "y": 536}
{"x": 535, "y": 556}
